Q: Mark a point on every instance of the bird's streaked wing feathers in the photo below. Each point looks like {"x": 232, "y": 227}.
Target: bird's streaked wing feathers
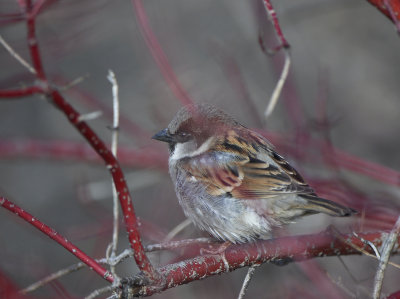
{"x": 233, "y": 168}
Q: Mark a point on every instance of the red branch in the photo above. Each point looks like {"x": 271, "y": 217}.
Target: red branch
{"x": 149, "y": 157}
{"x": 153, "y": 158}
{"x": 23, "y": 92}
{"x": 390, "y": 8}
{"x": 298, "y": 248}
{"x": 62, "y": 150}
{"x": 274, "y": 19}
{"x": 126, "y": 123}
{"x": 13, "y": 208}
{"x": 97, "y": 144}
{"x": 395, "y": 295}
{"x": 113, "y": 166}
{"x": 236, "y": 256}
{"x": 32, "y": 40}
{"x": 158, "y": 54}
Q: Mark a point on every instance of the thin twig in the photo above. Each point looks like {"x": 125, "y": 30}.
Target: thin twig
{"x": 279, "y": 85}
{"x": 363, "y": 251}
{"x": 53, "y": 276}
{"x": 78, "y": 266}
{"x": 16, "y": 56}
{"x": 90, "y": 116}
{"x": 387, "y": 248}
{"x": 117, "y": 260}
{"x": 247, "y": 279}
{"x": 98, "y": 292}
{"x": 113, "y": 80}
{"x": 74, "y": 82}
{"x": 176, "y": 230}
{"x": 114, "y": 148}
{"x": 94, "y": 265}
{"x": 283, "y": 45}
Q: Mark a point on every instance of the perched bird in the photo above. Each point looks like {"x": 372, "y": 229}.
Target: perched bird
{"x": 231, "y": 182}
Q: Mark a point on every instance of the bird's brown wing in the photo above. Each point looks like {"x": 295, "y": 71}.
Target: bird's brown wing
{"x": 220, "y": 172}
{"x": 237, "y": 171}
{"x": 263, "y": 180}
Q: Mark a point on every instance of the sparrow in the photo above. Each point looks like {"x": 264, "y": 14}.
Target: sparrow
{"x": 231, "y": 182}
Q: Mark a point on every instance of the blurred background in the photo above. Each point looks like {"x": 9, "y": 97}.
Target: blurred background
{"x": 342, "y": 88}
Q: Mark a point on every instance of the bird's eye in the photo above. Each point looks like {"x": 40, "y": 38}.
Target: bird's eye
{"x": 183, "y": 137}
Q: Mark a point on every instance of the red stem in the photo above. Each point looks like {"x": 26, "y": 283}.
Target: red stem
{"x": 63, "y": 150}
{"x": 298, "y": 248}
{"x": 118, "y": 177}
{"x": 395, "y": 295}
{"x": 13, "y": 208}
{"x": 32, "y": 42}
{"x": 274, "y": 20}
{"x": 390, "y": 8}
{"x": 393, "y": 6}
{"x": 22, "y": 92}
{"x": 97, "y": 144}
{"x": 126, "y": 123}
{"x": 373, "y": 170}
{"x": 158, "y": 54}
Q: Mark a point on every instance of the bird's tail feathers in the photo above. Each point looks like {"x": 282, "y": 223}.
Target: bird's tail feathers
{"x": 320, "y": 205}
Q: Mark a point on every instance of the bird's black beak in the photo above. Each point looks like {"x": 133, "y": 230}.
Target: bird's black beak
{"x": 164, "y": 136}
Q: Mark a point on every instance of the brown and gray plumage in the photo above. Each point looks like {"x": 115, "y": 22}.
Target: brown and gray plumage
{"x": 231, "y": 182}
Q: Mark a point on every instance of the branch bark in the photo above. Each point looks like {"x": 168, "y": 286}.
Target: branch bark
{"x": 390, "y": 8}
{"x": 289, "y": 249}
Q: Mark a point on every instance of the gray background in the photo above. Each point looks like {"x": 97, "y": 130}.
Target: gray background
{"x": 344, "y": 51}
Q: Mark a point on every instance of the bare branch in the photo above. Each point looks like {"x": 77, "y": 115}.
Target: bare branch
{"x": 170, "y": 245}
{"x": 114, "y": 147}
{"x": 387, "y": 248}
{"x": 283, "y": 45}
{"x": 247, "y": 279}
{"x": 99, "y": 292}
{"x": 279, "y": 85}
{"x": 53, "y": 276}
{"x": 16, "y": 56}
{"x": 12, "y": 207}
{"x": 176, "y": 230}
{"x": 298, "y": 248}
{"x": 90, "y": 116}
